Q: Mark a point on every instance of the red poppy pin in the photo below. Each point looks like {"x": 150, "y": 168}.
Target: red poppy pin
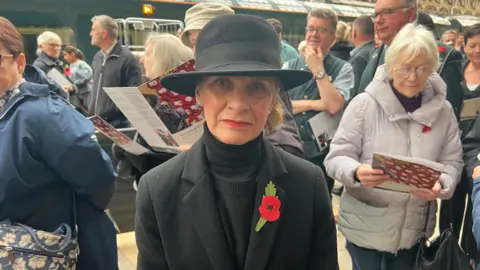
{"x": 67, "y": 71}
{"x": 442, "y": 49}
{"x": 426, "y": 129}
{"x": 270, "y": 207}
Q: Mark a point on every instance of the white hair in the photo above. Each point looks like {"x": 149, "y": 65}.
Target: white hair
{"x": 412, "y": 40}
{"x": 47, "y": 36}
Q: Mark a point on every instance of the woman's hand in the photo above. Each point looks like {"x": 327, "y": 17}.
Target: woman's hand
{"x": 476, "y": 172}
{"x": 371, "y": 177}
{"x": 428, "y": 195}
{"x": 184, "y": 147}
{"x": 68, "y": 88}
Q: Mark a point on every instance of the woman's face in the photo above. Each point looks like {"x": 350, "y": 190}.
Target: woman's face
{"x": 472, "y": 49}
{"x": 147, "y": 60}
{"x": 11, "y": 69}
{"x": 409, "y": 78}
{"x": 69, "y": 57}
{"x": 52, "y": 48}
{"x": 236, "y": 109}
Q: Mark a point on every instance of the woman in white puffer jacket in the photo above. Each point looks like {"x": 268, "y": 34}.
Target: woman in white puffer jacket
{"x": 403, "y": 112}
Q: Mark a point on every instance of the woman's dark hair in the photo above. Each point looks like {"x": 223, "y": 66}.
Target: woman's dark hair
{"x": 75, "y": 51}
{"x": 10, "y": 38}
{"x": 427, "y": 21}
{"x": 471, "y": 32}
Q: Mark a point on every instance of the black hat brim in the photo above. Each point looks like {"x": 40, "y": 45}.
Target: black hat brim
{"x": 185, "y": 82}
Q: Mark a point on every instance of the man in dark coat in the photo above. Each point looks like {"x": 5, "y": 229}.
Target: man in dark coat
{"x": 362, "y": 39}
{"x": 113, "y": 66}
{"x": 389, "y": 17}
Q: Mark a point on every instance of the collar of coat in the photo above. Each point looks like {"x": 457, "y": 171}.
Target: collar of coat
{"x": 202, "y": 208}
{"x": 434, "y": 95}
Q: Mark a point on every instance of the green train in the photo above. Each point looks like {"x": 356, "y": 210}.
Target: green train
{"x": 72, "y": 19}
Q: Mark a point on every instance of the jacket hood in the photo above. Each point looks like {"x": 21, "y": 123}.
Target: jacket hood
{"x": 433, "y": 100}
{"x": 37, "y": 83}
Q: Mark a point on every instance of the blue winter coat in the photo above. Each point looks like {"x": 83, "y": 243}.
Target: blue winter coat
{"x": 46, "y": 152}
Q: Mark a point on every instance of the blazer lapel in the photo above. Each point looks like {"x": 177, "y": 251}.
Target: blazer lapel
{"x": 261, "y": 242}
{"x": 203, "y": 211}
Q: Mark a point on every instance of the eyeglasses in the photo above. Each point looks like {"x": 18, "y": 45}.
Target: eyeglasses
{"x": 386, "y": 12}
{"x": 320, "y": 30}
{"x": 5, "y": 56}
{"x": 53, "y": 45}
{"x": 405, "y": 71}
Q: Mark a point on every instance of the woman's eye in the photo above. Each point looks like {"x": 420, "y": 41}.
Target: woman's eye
{"x": 221, "y": 82}
{"x": 258, "y": 87}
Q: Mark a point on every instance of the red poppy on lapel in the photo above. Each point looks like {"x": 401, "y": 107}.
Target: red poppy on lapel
{"x": 67, "y": 71}
{"x": 442, "y": 49}
{"x": 270, "y": 207}
{"x": 426, "y": 129}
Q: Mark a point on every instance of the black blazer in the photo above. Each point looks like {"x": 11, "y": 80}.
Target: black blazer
{"x": 177, "y": 223}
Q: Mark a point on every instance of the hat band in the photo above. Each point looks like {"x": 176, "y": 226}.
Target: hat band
{"x": 236, "y": 52}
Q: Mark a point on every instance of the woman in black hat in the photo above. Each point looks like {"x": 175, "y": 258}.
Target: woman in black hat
{"x": 234, "y": 201}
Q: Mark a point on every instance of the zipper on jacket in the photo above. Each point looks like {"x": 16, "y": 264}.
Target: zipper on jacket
{"x": 12, "y": 250}
{"x": 99, "y": 85}
{"x": 409, "y": 153}
{"x": 11, "y": 106}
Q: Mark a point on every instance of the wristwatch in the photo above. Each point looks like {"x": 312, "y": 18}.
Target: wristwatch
{"x": 320, "y": 75}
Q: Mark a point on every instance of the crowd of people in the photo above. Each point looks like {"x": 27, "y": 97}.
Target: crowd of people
{"x": 254, "y": 192}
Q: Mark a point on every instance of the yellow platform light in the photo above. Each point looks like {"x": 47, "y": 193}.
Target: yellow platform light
{"x": 148, "y": 9}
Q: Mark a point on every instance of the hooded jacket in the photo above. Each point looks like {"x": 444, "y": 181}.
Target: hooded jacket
{"x": 375, "y": 121}
{"x": 48, "y": 155}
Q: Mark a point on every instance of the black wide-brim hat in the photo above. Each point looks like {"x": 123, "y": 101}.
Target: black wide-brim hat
{"x": 236, "y": 45}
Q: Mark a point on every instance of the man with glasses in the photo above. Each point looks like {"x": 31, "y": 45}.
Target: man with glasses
{"x": 389, "y": 18}
{"x": 330, "y": 87}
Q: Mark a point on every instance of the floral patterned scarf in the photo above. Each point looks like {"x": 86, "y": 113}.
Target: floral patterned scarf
{"x": 6, "y": 96}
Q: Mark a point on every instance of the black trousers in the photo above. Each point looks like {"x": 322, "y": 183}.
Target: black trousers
{"x": 319, "y": 162}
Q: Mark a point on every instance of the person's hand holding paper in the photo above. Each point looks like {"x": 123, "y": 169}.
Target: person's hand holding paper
{"x": 428, "y": 195}
{"x": 370, "y": 177}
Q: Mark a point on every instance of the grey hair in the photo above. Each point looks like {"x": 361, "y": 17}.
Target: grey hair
{"x": 109, "y": 24}
{"x": 46, "y": 36}
{"x": 325, "y": 13}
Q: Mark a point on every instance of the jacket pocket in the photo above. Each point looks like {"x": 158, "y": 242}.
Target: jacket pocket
{"x": 352, "y": 205}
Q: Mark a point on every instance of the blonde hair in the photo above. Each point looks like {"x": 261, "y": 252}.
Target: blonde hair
{"x": 168, "y": 52}
{"x": 302, "y": 46}
{"x": 276, "y": 116}
{"x": 47, "y": 36}
{"x": 343, "y": 31}
{"x": 412, "y": 40}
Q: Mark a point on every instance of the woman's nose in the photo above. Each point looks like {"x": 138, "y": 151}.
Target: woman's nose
{"x": 237, "y": 100}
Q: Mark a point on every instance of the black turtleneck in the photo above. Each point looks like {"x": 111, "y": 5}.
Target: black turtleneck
{"x": 234, "y": 169}
{"x": 410, "y": 104}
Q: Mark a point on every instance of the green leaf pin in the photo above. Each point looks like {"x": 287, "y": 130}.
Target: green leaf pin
{"x": 270, "y": 190}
